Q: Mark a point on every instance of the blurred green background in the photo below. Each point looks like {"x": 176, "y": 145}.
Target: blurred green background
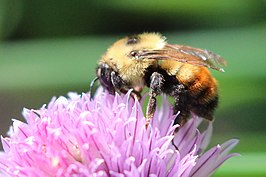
{"x": 48, "y": 48}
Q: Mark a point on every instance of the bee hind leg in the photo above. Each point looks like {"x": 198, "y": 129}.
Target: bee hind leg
{"x": 156, "y": 86}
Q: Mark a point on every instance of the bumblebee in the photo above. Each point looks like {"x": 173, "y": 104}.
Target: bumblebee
{"x": 176, "y": 70}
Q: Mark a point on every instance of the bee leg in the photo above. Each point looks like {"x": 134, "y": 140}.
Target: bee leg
{"x": 180, "y": 95}
{"x": 117, "y": 81}
{"x": 150, "y": 110}
{"x": 120, "y": 85}
{"x": 156, "y": 86}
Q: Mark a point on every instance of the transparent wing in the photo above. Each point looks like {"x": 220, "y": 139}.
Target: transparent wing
{"x": 186, "y": 54}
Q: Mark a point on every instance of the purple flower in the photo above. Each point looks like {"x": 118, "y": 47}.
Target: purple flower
{"x": 107, "y": 136}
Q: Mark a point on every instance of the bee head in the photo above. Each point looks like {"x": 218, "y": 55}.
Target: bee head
{"x": 103, "y": 73}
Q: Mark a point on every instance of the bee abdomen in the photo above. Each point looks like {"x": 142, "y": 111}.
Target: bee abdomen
{"x": 203, "y": 95}
{"x": 205, "y": 110}
{"x": 204, "y": 102}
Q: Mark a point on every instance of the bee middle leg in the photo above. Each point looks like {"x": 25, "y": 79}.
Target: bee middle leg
{"x": 181, "y": 106}
{"x": 179, "y": 93}
{"x": 156, "y": 87}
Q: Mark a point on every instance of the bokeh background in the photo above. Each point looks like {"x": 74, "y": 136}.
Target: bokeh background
{"x": 48, "y": 48}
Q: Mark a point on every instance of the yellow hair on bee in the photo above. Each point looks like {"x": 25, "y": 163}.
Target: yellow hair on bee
{"x": 130, "y": 69}
{"x": 177, "y": 70}
{"x": 154, "y": 41}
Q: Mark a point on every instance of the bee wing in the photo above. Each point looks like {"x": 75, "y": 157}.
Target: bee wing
{"x": 187, "y": 54}
{"x": 200, "y": 56}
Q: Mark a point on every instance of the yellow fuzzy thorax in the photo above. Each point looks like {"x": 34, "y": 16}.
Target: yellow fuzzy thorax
{"x": 130, "y": 69}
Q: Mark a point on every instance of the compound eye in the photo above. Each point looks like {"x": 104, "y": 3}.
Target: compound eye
{"x": 132, "y": 40}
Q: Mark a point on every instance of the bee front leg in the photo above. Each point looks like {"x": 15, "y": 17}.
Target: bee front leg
{"x": 120, "y": 85}
{"x": 156, "y": 87}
